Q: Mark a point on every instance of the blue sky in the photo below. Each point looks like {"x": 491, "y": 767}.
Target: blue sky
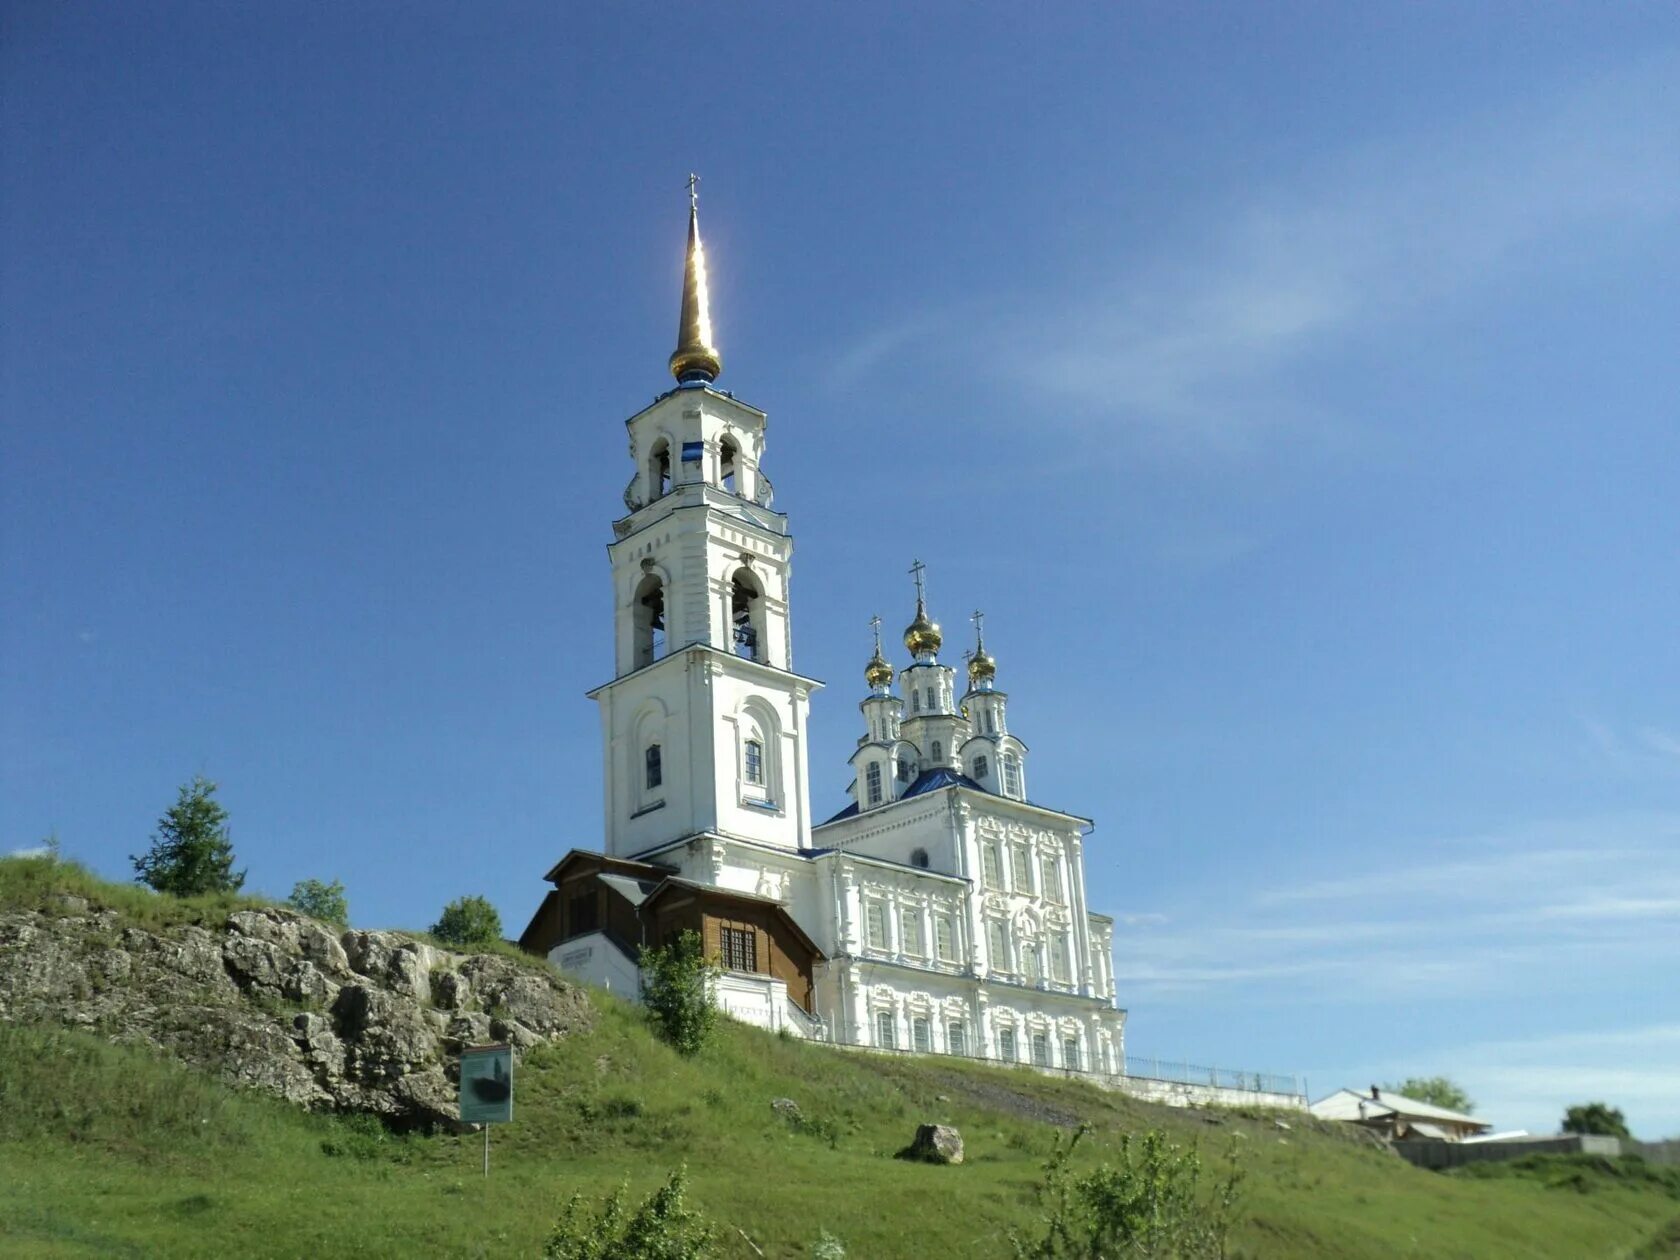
{"x": 1295, "y": 388}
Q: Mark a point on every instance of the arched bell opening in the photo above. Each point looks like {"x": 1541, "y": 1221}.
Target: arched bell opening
{"x": 746, "y": 615}
{"x": 648, "y": 611}
{"x": 729, "y": 463}
{"x": 659, "y": 470}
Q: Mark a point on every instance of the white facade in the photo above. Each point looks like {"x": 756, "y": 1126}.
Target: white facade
{"x": 950, "y": 908}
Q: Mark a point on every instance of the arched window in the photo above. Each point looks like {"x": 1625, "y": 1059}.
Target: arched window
{"x": 659, "y": 470}
{"x": 753, "y": 762}
{"x": 729, "y": 459}
{"x": 991, "y": 729}
{"x": 655, "y": 768}
{"x": 648, "y": 617}
{"x": 1011, "y": 774}
{"x": 938, "y": 752}
{"x": 872, "y": 778}
{"x": 746, "y": 613}
{"x": 919, "y": 858}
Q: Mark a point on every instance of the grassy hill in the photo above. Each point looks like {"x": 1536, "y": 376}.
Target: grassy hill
{"x": 110, "y": 1151}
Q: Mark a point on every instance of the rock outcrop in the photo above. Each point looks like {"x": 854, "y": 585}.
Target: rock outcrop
{"x": 362, "y": 1021}
{"x": 936, "y": 1144}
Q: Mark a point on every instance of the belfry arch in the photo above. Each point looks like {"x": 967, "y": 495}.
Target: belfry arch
{"x": 647, "y": 608}
{"x": 746, "y": 615}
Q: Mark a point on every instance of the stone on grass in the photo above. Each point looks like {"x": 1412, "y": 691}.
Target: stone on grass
{"x": 936, "y": 1144}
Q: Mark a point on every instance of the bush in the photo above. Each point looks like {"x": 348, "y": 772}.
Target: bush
{"x": 468, "y": 921}
{"x": 325, "y": 902}
{"x": 1149, "y": 1206}
{"x": 677, "y": 991}
{"x": 660, "y": 1228}
{"x": 1440, "y": 1090}
{"x": 191, "y": 853}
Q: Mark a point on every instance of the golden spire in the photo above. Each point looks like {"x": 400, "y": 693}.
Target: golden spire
{"x": 922, "y": 635}
{"x": 696, "y": 357}
{"x": 981, "y": 667}
{"x": 878, "y": 674}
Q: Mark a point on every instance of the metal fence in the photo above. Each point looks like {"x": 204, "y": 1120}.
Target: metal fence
{"x": 1180, "y": 1072}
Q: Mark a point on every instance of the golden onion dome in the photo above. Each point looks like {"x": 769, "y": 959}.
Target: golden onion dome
{"x": 878, "y": 673}
{"x": 981, "y": 667}
{"x": 922, "y": 634}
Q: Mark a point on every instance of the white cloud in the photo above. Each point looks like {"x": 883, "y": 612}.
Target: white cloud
{"x": 33, "y": 851}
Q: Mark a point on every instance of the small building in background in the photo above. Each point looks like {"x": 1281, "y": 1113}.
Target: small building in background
{"x": 1397, "y": 1117}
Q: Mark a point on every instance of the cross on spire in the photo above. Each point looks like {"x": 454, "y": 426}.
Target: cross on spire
{"x": 693, "y": 191}
{"x": 916, "y": 571}
{"x": 979, "y": 620}
{"x": 875, "y": 625}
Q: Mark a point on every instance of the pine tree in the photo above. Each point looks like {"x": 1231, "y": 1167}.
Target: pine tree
{"x": 191, "y": 853}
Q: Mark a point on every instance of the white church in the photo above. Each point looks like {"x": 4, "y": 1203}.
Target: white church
{"x": 943, "y": 911}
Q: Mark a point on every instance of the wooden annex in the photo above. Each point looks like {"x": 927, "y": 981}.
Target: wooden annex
{"x": 641, "y": 904}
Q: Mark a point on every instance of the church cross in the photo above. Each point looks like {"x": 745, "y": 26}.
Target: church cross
{"x": 693, "y": 190}
{"x": 979, "y": 620}
{"x": 916, "y": 571}
{"x": 875, "y": 625}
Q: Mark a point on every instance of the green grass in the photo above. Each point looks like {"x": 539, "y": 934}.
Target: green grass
{"x": 110, "y": 1151}
{"x": 39, "y": 883}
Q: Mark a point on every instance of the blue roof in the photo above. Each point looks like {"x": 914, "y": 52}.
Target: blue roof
{"x": 927, "y": 781}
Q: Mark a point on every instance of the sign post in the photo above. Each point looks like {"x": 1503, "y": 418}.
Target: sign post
{"x": 487, "y": 1089}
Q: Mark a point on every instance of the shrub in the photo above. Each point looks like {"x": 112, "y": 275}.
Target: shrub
{"x": 468, "y": 921}
{"x": 325, "y": 902}
{"x": 1440, "y": 1090}
{"x": 191, "y": 853}
{"x": 1148, "y": 1206}
{"x": 677, "y": 991}
{"x": 662, "y": 1227}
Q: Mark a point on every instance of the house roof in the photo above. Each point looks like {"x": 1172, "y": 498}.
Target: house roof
{"x": 620, "y": 866}
{"x": 1376, "y": 1104}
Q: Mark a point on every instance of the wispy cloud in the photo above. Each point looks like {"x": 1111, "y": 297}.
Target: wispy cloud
{"x": 1192, "y": 348}
{"x": 31, "y": 851}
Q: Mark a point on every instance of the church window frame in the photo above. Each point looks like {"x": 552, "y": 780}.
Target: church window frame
{"x": 921, "y": 1034}
{"x": 938, "y": 751}
{"x": 997, "y": 942}
{"x": 945, "y": 938}
{"x": 1061, "y": 965}
{"x": 872, "y": 783}
{"x": 653, "y": 767}
{"x": 1020, "y": 868}
{"x": 910, "y": 932}
{"x": 1040, "y": 1043}
{"x": 956, "y": 1037}
{"x": 915, "y": 699}
{"x": 1006, "y": 1046}
{"x": 903, "y": 768}
{"x": 1050, "y": 878}
{"x": 1071, "y": 1057}
{"x": 649, "y": 620}
{"x": 1011, "y": 775}
{"x": 752, "y": 762}
{"x": 991, "y": 728}
{"x": 729, "y": 465}
{"x": 885, "y": 1031}
{"x": 748, "y": 638}
{"x": 980, "y": 767}
{"x": 875, "y": 925}
{"x": 1031, "y": 966}
{"x": 991, "y": 866}
{"x": 659, "y": 478}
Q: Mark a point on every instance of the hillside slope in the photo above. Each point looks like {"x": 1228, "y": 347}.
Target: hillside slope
{"x": 113, "y": 1151}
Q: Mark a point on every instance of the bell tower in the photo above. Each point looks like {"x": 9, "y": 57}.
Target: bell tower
{"x": 703, "y": 725}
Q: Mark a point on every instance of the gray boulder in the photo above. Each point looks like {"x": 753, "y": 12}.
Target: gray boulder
{"x": 936, "y": 1144}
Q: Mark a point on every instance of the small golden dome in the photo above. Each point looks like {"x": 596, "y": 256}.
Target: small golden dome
{"x": 878, "y": 673}
{"x": 981, "y": 667}
{"x": 922, "y": 635}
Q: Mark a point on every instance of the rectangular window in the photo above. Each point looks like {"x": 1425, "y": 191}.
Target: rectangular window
{"x": 755, "y": 762}
{"x": 989, "y": 873}
{"x": 944, "y": 939}
{"x": 872, "y": 777}
{"x": 884, "y": 1030}
{"x": 655, "y": 770}
{"x": 915, "y": 699}
{"x": 904, "y": 770}
{"x": 921, "y": 1035}
{"x": 739, "y": 948}
{"x": 1051, "y": 872}
{"x": 956, "y": 1038}
{"x": 1059, "y": 959}
{"x": 990, "y": 729}
{"x": 910, "y": 931}
{"x": 875, "y": 923}
{"x": 1070, "y": 1053}
{"x": 980, "y": 767}
{"x": 583, "y": 913}
{"x": 1041, "y": 1049}
{"x": 999, "y": 942}
{"x": 1021, "y": 863}
{"x": 1006, "y": 1044}
{"x": 1011, "y": 775}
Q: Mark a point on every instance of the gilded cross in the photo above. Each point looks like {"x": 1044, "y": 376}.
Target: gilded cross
{"x": 875, "y": 625}
{"x": 916, "y": 571}
{"x": 693, "y": 190}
